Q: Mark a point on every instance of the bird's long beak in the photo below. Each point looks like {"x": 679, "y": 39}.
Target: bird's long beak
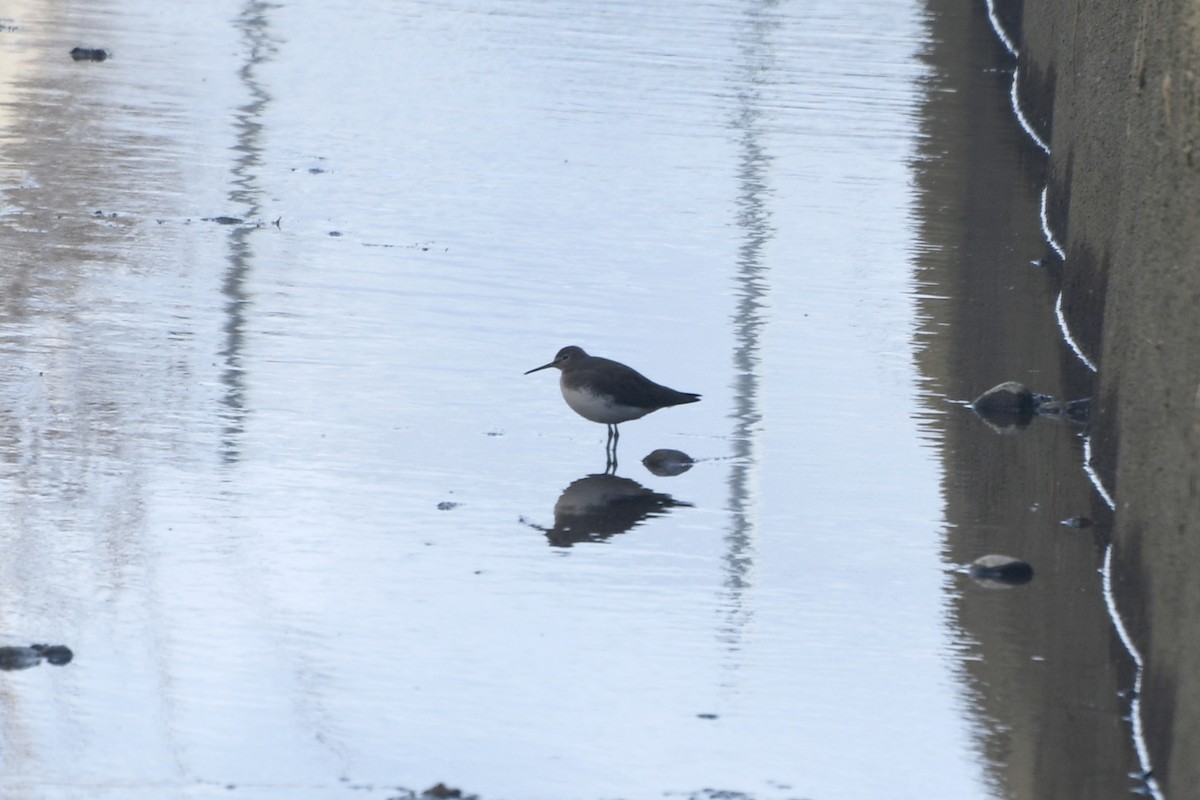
{"x": 543, "y": 366}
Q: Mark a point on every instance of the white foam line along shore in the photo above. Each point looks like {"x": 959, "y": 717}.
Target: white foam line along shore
{"x": 1093, "y": 476}
{"x": 1001, "y": 34}
{"x": 1049, "y": 234}
{"x": 1016, "y": 104}
{"x": 1135, "y": 703}
{"x": 1066, "y": 332}
{"x": 1011, "y": 46}
{"x": 1058, "y": 311}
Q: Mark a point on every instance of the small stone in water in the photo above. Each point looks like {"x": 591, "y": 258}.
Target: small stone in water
{"x": 666, "y": 463}
{"x": 1000, "y": 570}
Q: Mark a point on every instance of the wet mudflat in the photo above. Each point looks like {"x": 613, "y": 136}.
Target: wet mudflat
{"x": 270, "y": 468}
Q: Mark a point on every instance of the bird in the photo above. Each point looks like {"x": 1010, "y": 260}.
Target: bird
{"x": 609, "y": 392}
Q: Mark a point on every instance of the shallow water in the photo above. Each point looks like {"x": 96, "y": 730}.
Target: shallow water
{"x": 280, "y": 484}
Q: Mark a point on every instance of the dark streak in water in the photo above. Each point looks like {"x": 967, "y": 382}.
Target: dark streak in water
{"x": 753, "y": 218}
{"x": 253, "y": 22}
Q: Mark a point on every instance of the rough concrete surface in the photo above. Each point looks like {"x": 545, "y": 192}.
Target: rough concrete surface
{"x": 1114, "y": 87}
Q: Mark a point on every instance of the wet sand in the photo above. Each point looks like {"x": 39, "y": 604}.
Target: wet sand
{"x": 1113, "y": 89}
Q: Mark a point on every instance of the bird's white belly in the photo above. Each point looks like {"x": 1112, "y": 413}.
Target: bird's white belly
{"x": 598, "y": 408}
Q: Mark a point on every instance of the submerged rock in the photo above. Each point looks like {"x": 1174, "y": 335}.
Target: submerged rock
{"x": 89, "y": 54}
{"x": 1009, "y": 397}
{"x": 1000, "y": 571}
{"x": 441, "y": 791}
{"x": 1010, "y": 406}
{"x": 665, "y": 463}
{"x": 25, "y": 657}
{"x": 56, "y": 654}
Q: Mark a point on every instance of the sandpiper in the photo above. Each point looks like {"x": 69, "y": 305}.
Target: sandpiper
{"x": 609, "y": 392}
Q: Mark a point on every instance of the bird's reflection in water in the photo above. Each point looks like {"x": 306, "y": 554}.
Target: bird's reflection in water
{"x": 597, "y": 507}
{"x": 25, "y": 657}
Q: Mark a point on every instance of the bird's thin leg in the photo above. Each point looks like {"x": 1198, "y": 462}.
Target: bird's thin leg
{"x": 610, "y": 450}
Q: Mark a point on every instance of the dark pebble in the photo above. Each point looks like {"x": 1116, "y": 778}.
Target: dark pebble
{"x": 666, "y": 463}
{"x": 1000, "y": 570}
{"x": 1009, "y": 397}
{"x": 89, "y": 54}
{"x": 1007, "y": 406}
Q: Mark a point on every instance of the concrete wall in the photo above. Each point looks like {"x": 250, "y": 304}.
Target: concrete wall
{"x": 1114, "y": 86}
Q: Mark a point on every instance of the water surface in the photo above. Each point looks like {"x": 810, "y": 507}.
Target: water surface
{"x": 271, "y": 469}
